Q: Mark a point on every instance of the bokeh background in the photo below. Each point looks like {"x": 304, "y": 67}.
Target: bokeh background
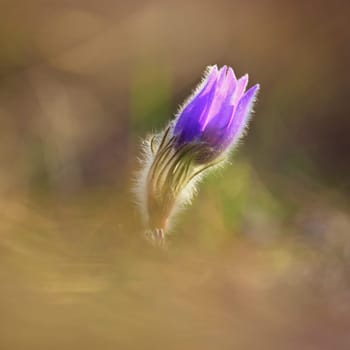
{"x": 260, "y": 260}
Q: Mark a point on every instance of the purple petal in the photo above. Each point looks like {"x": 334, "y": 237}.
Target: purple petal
{"x": 241, "y": 114}
{"x": 221, "y": 109}
{"x": 223, "y": 93}
{"x": 230, "y": 71}
{"x": 231, "y": 82}
{"x": 222, "y": 75}
{"x": 207, "y": 83}
{"x": 189, "y": 118}
{"x": 188, "y": 126}
{"x": 203, "y": 88}
{"x": 216, "y": 131}
{"x": 240, "y": 88}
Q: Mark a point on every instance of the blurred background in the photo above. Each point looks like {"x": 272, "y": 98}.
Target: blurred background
{"x": 261, "y": 258}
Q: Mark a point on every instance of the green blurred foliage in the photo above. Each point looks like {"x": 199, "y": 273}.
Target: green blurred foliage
{"x": 150, "y": 97}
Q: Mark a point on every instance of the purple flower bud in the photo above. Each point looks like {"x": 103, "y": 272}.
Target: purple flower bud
{"x": 216, "y": 114}
{"x": 174, "y": 161}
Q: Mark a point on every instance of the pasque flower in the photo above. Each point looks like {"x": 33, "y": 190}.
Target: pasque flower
{"x": 206, "y": 128}
{"x": 217, "y": 113}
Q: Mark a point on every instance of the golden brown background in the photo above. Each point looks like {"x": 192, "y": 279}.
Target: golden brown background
{"x": 261, "y": 259}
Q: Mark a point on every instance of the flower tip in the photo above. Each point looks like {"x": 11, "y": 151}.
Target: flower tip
{"x": 232, "y": 74}
{"x": 255, "y": 88}
{"x": 243, "y": 81}
{"x": 223, "y": 69}
{"x": 212, "y": 68}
